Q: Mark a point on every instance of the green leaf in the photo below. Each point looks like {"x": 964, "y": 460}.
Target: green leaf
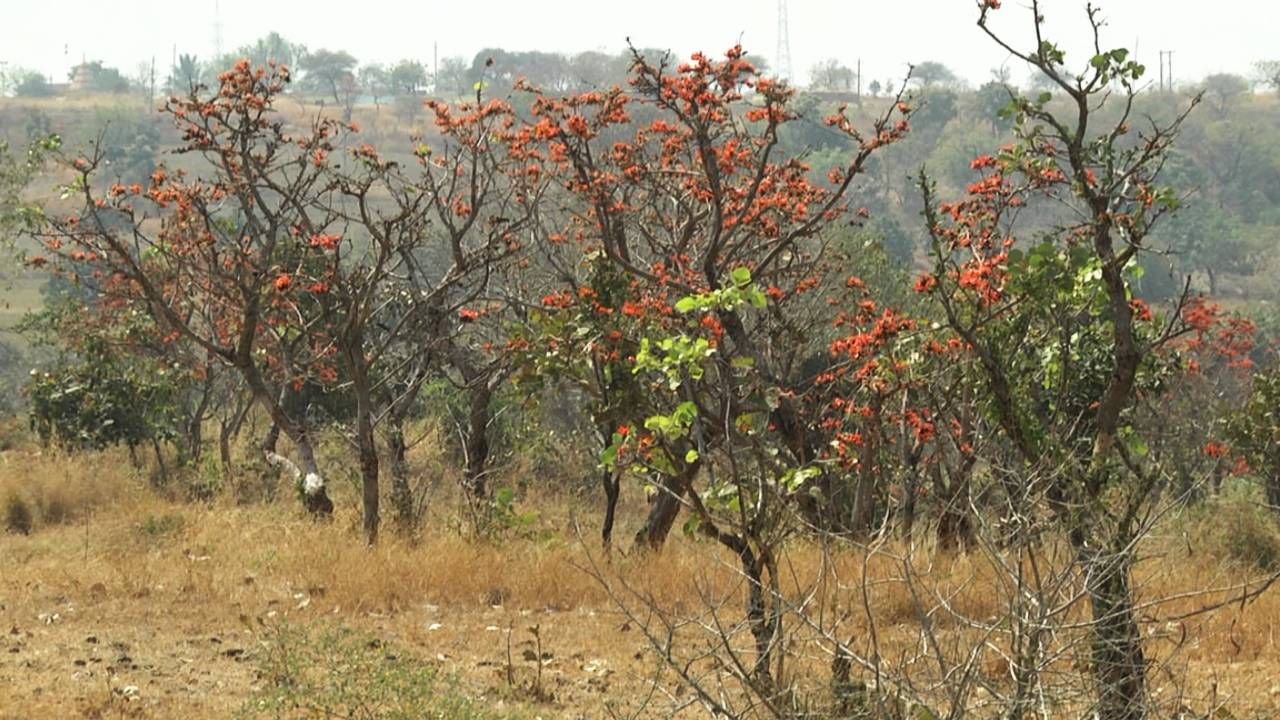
{"x": 609, "y": 456}
{"x": 741, "y": 276}
{"x": 691, "y": 525}
{"x": 691, "y": 457}
{"x": 686, "y": 305}
{"x": 504, "y": 496}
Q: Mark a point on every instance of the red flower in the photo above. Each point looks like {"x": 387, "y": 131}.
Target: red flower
{"x": 1215, "y": 449}
{"x": 578, "y": 126}
{"x": 283, "y": 282}
{"x": 467, "y": 315}
{"x": 1199, "y": 314}
{"x": 925, "y": 283}
{"x": 327, "y": 242}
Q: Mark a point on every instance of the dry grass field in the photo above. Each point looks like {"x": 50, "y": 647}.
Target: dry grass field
{"x": 121, "y": 603}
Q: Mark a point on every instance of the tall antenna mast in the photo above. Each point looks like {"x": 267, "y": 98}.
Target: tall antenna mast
{"x": 782, "y": 58}
{"x": 1166, "y": 70}
{"x": 217, "y": 31}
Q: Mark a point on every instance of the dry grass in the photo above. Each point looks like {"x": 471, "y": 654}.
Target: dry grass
{"x": 184, "y": 593}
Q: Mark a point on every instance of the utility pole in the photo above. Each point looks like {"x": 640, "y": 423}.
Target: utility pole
{"x": 858, "y": 91}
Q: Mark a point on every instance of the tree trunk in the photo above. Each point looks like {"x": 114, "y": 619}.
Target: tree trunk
{"x": 862, "y": 507}
{"x": 910, "y": 491}
{"x": 477, "y": 438}
{"x": 224, "y": 450}
{"x": 861, "y": 517}
{"x": 612, "y": 486}
{"x": 664, "y": 506}
{"x": 1119, "y": 665}
{"x": 764, "y": 617}
{"x": 1272, "y": 487}
{"x": 401, "y": 492}
{"x": 195, "y": 426}
{"x": 480, "y": 382}
{"x": 271, "y": 439}
{"x": 764, "y": 626}
{"x": 955, "y": 530}
{"x": 228, "y": 429}
{"x": 160, "y": 466}
{"x": 315, "y": 498}
{"x": 955, "y": 526}
{"x": 307, "y": 479}
{"x": 368, "y": 472}
{"x": 195, "y": 437}
{"x": 351, "y": 341}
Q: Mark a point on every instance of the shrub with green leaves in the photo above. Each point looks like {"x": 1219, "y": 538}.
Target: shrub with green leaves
{"x": 100, "y": 398}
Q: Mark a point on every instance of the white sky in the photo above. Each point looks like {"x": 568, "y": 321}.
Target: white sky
{"x": 1206, "y": 37}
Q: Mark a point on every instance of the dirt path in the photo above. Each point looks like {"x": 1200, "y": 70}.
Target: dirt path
{"x": 130, "y": 658}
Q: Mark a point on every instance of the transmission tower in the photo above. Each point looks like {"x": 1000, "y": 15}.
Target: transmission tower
{"x": 1166, "y": 70}
{"x": 782, "y": 58}
{"x": 217, "y": 31}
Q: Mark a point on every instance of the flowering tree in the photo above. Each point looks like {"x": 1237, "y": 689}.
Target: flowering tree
{"x": 1065, "y": 353}
{"x": 690, "y": 210}
{"x": 216, "y": 260}
{"x": 691, "y": 262}
{"x": 281, "y": 258}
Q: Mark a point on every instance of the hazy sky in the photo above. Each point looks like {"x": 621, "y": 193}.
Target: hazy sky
{"x": 1206, "y": 37}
